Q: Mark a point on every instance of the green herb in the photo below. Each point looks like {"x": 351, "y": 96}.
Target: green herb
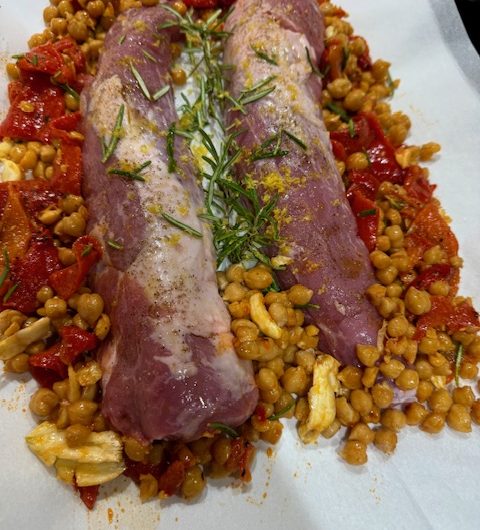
{"x": 307, "y": 306}
{"x": 6, "y": 266}
{"x": 34, "y": 60}
{"x": 141, "y": 82}
{"x": 315, "y": 70}
{"x": 274, "y": 287}
{"x": 264, "y": 56}
{"x": 10, "y": 291}
{"x": 172, "y": 165}
{"x": 366, "y": 213}
{"x": 295, "y": 139}
{"x": 149, "y": 56}
{"x": 121, "y": 39}
{"x": 281, "y": 412}
{"x": 271, "y": 147}
{"x": 18, "y": 56}
{"x": 114, "y": 244}
{"x": 256, "y": 92}
{"x": 160, "y": 93}
{"x": 229, "y": 431}
{"x": 135, "y": 174}
{"x": 108, "y": 149}
{"x": 86, "y": 250}
{"x": 395, "y": 203}
{"x": 69, "y": 90}
{"x": 343, "y": 116}
{"x": 345, "y": 57}
{"x": 182, "y": 226}
{"x": 458, "y": 362}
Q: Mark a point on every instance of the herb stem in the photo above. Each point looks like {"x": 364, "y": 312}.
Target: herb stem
{"x": 115, "y": 136}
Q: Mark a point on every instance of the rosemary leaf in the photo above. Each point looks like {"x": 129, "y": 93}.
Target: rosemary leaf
{"x": 6, "y": 266}
{"x": 458, "y": 362}
{"x": 149, "y": 56}
{"x": 114, "y": 244}
{"x": 115, "y": 136}
{"x": 225, "y": 429}
{"x": 160, "y": 93}
{"x": 121, "y": 40}
{"x": 182, "y": 226}
{"x": 86, "y": 250}
{"x": 141, "y": 82}
{"x": 314, "y": 68}
{"x": 172, "y": 165}
{"x": 10, "y": 291}
{"x": 264, "y": 56}
{"x": 281, "y": 412}
{"x": 367, "y": 213}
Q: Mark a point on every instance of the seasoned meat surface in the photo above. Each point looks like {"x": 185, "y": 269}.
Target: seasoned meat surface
{"x": 169, "y": 365}
{"x": 315, "y": 220}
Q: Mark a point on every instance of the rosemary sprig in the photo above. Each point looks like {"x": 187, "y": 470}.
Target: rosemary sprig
{"x": 281, "y": 412}
{"x": 108, "y": 149}
{"x": 121, "y": 40}
{"x": 172, "y": 165}
{"x": 343, "y": 116}
{"x": 69, "y": 90}
{"x": 458, "y": 362}
{"x": 182, "y": 226}
{"x": 86, "y": 250}
{"x": 18, "y": 56}
{"x": 141, "y": 82}
{"x": 6, "y": 266}
{"x": 115, "y": 244}
{"x": 367, "y": 213}
{"x": 225, "y": 429}
{"x": 160, "y": 93}
{"x": 271, "y": 147}
{"x": 149, "y": 56}
{"x": 314, "y": 68}
{"x": 10, "y": 291}
{"x": 264, "y": 56}
{"x": 135, "y": 174}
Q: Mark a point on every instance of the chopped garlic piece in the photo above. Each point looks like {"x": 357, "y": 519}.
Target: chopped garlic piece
{"x": 19, "y": 341}
{"x": 9, "y": 171}
{"x": 321, "y": 398}
{"x": 262, "y": 317}
{"x": 280, "y": 261}
{"x": 439, "y": 381}
{"x": 98, "y": 461}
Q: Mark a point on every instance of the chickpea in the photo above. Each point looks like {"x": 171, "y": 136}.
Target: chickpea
{"x": 193, "y": 483}
{"x": 382, "y": 395}
{"x": 387, "y": 276}
{"x": 463, "y": 395}
{"x": 407, "y": 380}
{"x": 339, "y": 88}
{"x": 148, "y": 487}
{"x": 266, "y": 379}
{"x": 417, "y": 302}
{"x": 258, "y": 278}
{"x": 102, "y": 327}
{"x": 424, "y": 390}
{"x": 346, "y": 414}
{"x": 433, "y": 423}
{"x": 475, "y": 411}
{"x": 55, "y": 307}
{"x": 424, "y": 369}
{"x": 433, "y": 255}
{"x": 357, "y": 160}
{"x": 380, "y": 260}
{"x": 82, "y": 412}
{"x": 440, "y": 401}
{"x": 332, "y": 429}
{"x": 392, "y": 369}
{"x": 397, "y": 326}
{"x": 362, "y": 433}
{"x": 134, "y": 449}
{"x": 354, "y": 452}
{"x": 458, "y": 418}
{"x": 49, "y": 13}
{"x": 468, "y": 370}
{"x": 17, "y": 364}
{"x": 351, "y": 377}
{"x": 180, "y": 7}
{"x": 149, "y": 3}
{"x": 385, "y": 440}
{"x": 248, "y": 350}
{"x": 95, "y": 8}
{"x": 354, "y": 100}
{"x": 361, "y": 401}
{"x": 90, "y": 307}
{"x": 43, "y": 402}
{"x": 295, "y": 380}
{"x": 273, "y": 434}
{"x": 393, "y": 419}
{"x": 415, "y": 413}
{"x": 299, "y": 295}
{"x": 370, "y": 376}
{"x": 179, "y": 76}
{"x": 77, "y": 435}
{"x": 376, "y": 293}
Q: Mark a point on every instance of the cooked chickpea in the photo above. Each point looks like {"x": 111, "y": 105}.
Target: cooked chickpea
{"x": 354, "y": 100}
{"x": 387, "y": 275}
{"x": 424, "y": 390}
{"x": 299, "y": 295}
{"x": 440, "y": 401}
{"x": 95, "y": 8}
{"x": 77, "y": 435}
{"x": 433, "y": 255}
{"x": 424, "y": 369}
{"x": 468, "y": 370}
{"x": 357, "y": 160}
{"x": 382, "y": 395}
{"x": 351, "y": 377}
{"x": 248, "y": 350}
{"x": 17, "y": 364}
{"x": 361, "y": 401}
{"x": 295, "y": 380}
{"x": 407, "y": 380}
{"x": 339, "y": 88}
{"x": 179, "y": 76}
{"x": 354, "y": 452}
{"x": 433, "y": 423}
{"x": 66, "y": 256}
{"x": 393, "y": 419}
{"x": 43, "y": 402}
{"x": 369, "y": 376}
{"x": 134, "y": 449}
{"x": 346, "y": 414}
{"x": 415, "y": 413}
{"x": 193, "y": 483}
{"x": 463, "y": 395}
{"x": 266, "y": 379}
{"x": 392, "y": 369}
{"x": 397, "y": 326}
{"x": 458, "y": 418}
{"x": 90, "y": 307}
{"x": 234, "y": 292}
{"x": 417, "y": 302}
{"x": 82, "y": 412}
{"x": 475, "y": 411}
{"x": 55, "y": 307}
{"x": 258, "y": 278}
{"x": 362, "y": 433}
{"x": 385, "y": 440}
{"x": 332, "y": 429}
{"x": 380, "y": 260}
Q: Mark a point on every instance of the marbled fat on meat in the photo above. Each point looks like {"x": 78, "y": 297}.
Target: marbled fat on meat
{"x": 169, "y": 365}
{"x": 315, "y": 219}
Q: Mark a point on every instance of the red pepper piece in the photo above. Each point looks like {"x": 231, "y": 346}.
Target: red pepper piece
{"x": 68, "y": 170}
{"x": 88, "y": 494}
{"x": 240, "y": 458}
{"x": 417, "y": 184}
{"x": 363, "y": 180}
{"x": 172, "y": 478}
{"x": 331, "y": 61}
{"x": 361, "y": 139}
{"x": 66, "y": 282}
{"x": 32, "y": 272}
{"x": 439, "y": 271}
{"x": 50, "y": 365}
{"x": 366, "y": 215}
{"x": 133, "y": 469}
{"x": 60, "y": 127}
{"x": 34, "y": 103}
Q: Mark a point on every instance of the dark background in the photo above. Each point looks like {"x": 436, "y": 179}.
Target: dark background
{"x": 470, "y": 12}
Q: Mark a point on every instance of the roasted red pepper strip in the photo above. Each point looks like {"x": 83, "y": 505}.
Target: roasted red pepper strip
{"x": 66, "y": 282}
{"x": 172, "y": 478}
{"x": 417, "y": 185}
{"x": 32, "y": 272}
{"x": 50, "y": 365}
{"x": 60, "y": 127}
{"x": 68, "y": 170}
{"x": 240, "y": 458}
{"x": 88, "y": 494}
{"x": 439, "y": 271}
{"x": 366, "y": 215}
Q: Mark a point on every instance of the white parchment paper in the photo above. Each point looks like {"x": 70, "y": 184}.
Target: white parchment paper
{"x": 430, "y": 482}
